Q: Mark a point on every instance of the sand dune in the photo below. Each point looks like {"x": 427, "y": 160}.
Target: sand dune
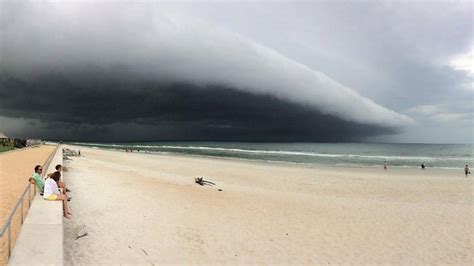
{"x": 142, "y": 208}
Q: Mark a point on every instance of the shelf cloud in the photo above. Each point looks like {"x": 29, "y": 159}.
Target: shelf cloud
{"x": 167, "y": 76}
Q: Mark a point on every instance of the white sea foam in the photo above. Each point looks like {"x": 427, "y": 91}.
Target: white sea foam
{"x": 446, "y": 157}
{"x": 277, "y": 152}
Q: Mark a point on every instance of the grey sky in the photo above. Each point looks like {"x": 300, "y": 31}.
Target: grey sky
{"x": 349, "y": 60}
{"x": 396, "y": 53}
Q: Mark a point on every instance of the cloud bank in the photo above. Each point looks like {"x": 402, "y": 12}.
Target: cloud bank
{"x": 168, "y": 76}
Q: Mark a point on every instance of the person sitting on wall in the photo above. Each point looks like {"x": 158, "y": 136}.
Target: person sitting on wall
{"x": 37, "y": 179}
{"x": 52, "y": 192}
{"x": 61, "y": 182}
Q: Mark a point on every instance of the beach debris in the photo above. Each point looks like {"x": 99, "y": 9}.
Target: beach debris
{"x": 219, "y": 189}
{"x": 82, "y": 235}
{"x": 198, "y": 180}
{"x": 202, "y": 182}
{"x": 82, "y": 232}
{"x": 144, "y": 251}
{"x": 70, "y": 153}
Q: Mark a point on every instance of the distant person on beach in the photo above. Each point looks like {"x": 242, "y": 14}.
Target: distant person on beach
{"x": 385, "y": 165}
{"x": 37, "y": 179}
{"x": 466, "y": 170}
{"x": 423, "y": 166}
{"x": 52, "y": 193}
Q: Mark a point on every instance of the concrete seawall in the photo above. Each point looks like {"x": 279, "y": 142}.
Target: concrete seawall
{"x": 41, "y": 236}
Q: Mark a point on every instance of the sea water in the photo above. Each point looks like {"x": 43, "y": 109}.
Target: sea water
{"x": 452, "y": 156}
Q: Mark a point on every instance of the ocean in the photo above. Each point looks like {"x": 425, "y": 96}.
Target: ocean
{"x": 449, "y": 156}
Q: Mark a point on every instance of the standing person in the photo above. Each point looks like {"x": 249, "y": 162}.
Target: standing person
{"x": 37, "y": 179}
{"x": 51, "y": 192}
{"x": 466, "y": 170}
{"x": 423, "y": 166}
{"x": 385, "y": 165}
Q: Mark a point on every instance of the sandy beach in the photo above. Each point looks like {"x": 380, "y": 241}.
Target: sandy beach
{"x": 15, "y": 169}
{"x": 144, "y": 208}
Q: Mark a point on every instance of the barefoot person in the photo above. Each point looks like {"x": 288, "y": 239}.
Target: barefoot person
{"x": 51, "y": 192}
{"x": 466, "y": 170}
{"x": 61, "y": 183}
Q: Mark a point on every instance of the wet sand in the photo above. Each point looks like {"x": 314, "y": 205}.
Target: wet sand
{"x": 143, "y": 208}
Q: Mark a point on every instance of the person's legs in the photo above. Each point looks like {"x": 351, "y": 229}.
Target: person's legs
{"x": 63, "y": 186}
{"x": 65, "y": 207}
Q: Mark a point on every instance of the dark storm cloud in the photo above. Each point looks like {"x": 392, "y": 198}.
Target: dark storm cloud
{"x": 154, "y": 110}
{"x": 144, "y": 70}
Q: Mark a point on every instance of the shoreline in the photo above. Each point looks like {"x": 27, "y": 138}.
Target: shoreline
{"x": 393, "y": 174}
{"x": 288, "y": 163}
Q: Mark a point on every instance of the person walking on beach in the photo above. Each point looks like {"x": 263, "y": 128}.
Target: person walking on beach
{"x": 37, "y": 179}
{"x": 385, "y": 165}
{"x": 51, "y": 192}
{"x": 466, "y": 170}
{"x": 423, "y": 166}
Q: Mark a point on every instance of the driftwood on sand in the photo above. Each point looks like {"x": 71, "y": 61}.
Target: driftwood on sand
{"x": 202, "y": 182}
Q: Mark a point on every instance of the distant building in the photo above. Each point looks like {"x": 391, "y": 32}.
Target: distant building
{"x": 6, "y": 142}
{"x": 34, "y": 142}
{"x": 17, "y": 143}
